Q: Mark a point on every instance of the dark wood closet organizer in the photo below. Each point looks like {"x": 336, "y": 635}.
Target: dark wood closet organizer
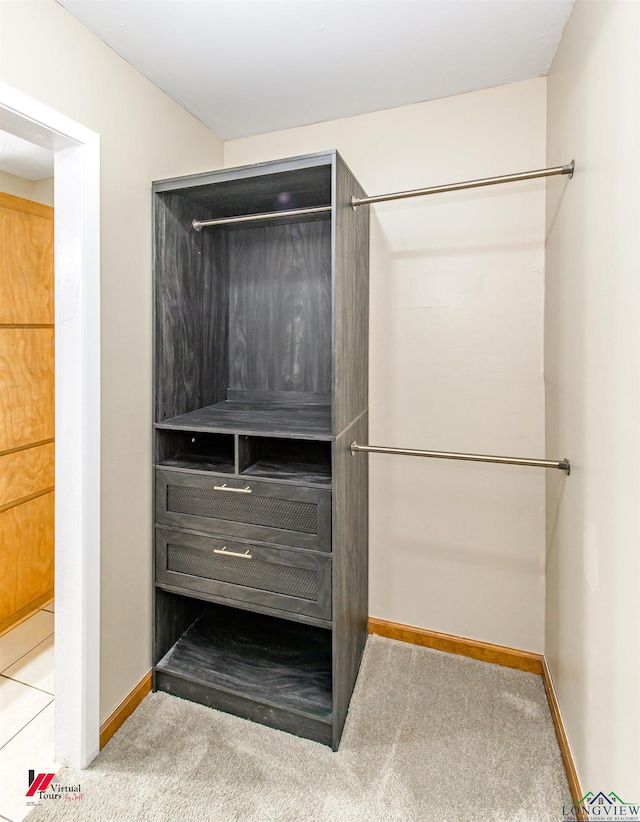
{"x": 260, "y": 388}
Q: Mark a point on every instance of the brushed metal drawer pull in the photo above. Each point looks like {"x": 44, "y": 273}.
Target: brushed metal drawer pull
{"x": 225, "y": 487}
{"x": 224, "y": 551}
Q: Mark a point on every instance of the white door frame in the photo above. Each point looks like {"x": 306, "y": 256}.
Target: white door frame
{"x": 77, "y": 417}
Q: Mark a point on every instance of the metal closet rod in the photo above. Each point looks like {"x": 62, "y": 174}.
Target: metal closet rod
{"x": 399, "y": 195}
{"x": 487, "y": 181}
{"x": 563, "y": 465}
{"x": 248, "y": 218}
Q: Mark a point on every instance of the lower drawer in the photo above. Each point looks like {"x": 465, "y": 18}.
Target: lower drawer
{"x": 289, "y": 580}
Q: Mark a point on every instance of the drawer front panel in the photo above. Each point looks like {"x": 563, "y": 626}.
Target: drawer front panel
{"x": 285, "y": 514}
{"x": 252, "y": 573}
{"x": 264, "y": 511}
{"x": 276, "y": 577}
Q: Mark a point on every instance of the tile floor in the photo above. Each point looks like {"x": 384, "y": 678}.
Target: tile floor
{"x": 26, "y": 710}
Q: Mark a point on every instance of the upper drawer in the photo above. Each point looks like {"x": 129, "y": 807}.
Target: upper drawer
{"x": 265, "y": 511}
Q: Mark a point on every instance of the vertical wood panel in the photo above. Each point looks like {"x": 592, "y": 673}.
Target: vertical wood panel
{"x": 351, "y": 319}
{"x": 26, "y": 376}
{"x": 280, "y": 308}
{"x": 191, "y": 310}
{"x": 350, "y": 422}
{"x": 26, "y": 261}
{"x": 26, "y": 565}
{"x": 350, "y": 567}
{"x": 173, "y": 615}
{"x": 26, "y": 472}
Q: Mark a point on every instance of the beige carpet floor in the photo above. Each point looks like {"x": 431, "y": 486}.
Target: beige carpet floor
{"x": 430, "y": 736}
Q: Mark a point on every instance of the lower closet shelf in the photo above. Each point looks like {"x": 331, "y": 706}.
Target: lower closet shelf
{"x": 270, "y": 670}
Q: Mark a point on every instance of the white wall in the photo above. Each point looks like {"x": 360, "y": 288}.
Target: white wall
{"x": 592, "y": 364}
{"x": 40, "y": 191}
{"x": 456, "y": 356}
{"x": 47, "y": 54}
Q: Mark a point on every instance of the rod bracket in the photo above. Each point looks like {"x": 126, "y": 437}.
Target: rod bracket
{"x": 196, "y": 225}
{"x": 569, "y": 169}
{"x": 354, "y": 202}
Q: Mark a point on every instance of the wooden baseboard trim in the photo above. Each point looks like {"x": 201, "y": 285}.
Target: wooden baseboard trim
{"x": 125, "y": 709}
{"x": 23, "y": 614}
{"x": 484, "y": 651}
{"x": 561, "y": 736}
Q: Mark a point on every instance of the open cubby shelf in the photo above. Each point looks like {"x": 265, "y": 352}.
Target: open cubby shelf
{"x": 298, "y": 472}
{"x": 262, "y": 658}
{"x": 196, "y": 451}
{"x": 197, "y": 462}
{"x": 279, "y": 458}
{"x": 301, "y": 461}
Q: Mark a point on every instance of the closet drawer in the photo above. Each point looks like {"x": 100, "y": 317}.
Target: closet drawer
{"x": 281, "y": 578}
{"x": 264, "y": 511}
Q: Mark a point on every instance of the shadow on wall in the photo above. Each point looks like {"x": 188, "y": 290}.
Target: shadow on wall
{"x": 564, "y": 319}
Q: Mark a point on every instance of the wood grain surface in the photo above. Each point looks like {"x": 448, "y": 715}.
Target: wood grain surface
{"x": 351, "y": 298}
{"x": 280, "y": 578}
{"x": 288, "y": 184}
{"x": 125, "y": 709}
{"x": 279, "y": 514}
{"x": 173, "y": 615}
{"x": 272, "y": 671}
{"x": 26, "y": 407}
{"x": 563, "y": 741}
{"x": 350, "y": 568}
{"x": 473, "y": 648}
{"x": 26, "y": 376}
{"x": 261, "y": 332}
{"x": 275, "y": 419}
{"x": 26, "y": 566}
{"x": 26, "y": 472}
{"x": 191, "y": 292}
{"x": 26, "y": 262}
{"x": 280, "y": 308}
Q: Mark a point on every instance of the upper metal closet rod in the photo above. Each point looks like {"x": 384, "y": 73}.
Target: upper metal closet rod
{"x": 487, "y": 181}
{"x": 247, "y": 218}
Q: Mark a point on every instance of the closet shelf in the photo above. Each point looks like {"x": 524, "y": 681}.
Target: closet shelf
{"x": 274, "y": 419}
{"x": 298, "y": 472}
{"x": 199, "y": 462}
{"x": 261, "y": 658}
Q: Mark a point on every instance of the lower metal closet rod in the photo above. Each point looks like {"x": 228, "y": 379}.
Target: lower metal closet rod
{"x": 563, "y": 465}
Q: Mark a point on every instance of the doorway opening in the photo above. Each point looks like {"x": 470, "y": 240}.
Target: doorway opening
{"x": 77, "y": 416}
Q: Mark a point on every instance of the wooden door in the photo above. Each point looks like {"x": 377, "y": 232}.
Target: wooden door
{"x": 26, "y": 408}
